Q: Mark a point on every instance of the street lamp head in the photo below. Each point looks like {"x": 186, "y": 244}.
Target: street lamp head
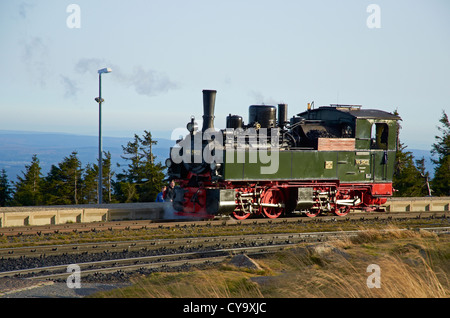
{"x": 105, "y": 70}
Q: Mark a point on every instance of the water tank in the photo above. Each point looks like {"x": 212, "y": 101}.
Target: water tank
{"x": 265, "y": 115}
{"x": 234, "y": 121}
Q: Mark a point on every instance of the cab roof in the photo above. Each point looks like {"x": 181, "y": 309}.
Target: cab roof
{"x": 353, "y": 110}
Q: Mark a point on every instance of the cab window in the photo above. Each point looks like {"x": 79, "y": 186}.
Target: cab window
{"x": 379, "y": 136}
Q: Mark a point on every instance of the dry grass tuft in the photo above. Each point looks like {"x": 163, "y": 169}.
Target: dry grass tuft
{"x": 194, "y": 284}
{"x": 412, "y": 264}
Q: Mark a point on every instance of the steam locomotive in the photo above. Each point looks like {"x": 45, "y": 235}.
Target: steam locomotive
{"x": 329, "y": 159}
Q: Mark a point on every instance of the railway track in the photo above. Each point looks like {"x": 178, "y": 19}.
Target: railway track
{"x": 160, "y": 255}
{"x": 149, "y": 224}
{"x": 162, "y": 244}
{"x": 100, "y": 259}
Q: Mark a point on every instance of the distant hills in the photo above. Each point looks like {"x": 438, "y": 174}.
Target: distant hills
{"x": 17, "y": 148}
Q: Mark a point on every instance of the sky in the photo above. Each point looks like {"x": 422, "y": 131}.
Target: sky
{"x": 164, "y": 53}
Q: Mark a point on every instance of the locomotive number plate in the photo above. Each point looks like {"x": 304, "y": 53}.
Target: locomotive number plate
{"x": 328, "y": 164}
{"x": 362, "y": 162}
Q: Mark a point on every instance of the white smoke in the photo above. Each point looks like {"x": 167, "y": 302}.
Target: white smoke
{"x": 171, "y": 214}
{"x": 144, "y": 81}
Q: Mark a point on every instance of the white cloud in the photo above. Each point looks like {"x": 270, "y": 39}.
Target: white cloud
{"x": 144, "y": 81}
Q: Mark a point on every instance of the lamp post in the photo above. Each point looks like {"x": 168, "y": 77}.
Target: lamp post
{"x": 99, "y": 100}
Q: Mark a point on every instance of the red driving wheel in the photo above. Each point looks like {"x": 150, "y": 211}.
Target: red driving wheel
{"x": 273, "y": 196}
{"x": 312, "y": 213}
{"x": 240, "y": 215}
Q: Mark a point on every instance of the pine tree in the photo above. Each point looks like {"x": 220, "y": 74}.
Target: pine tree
{"x": 424, "y": 174}
{"x": 90, "y": 184}
{"x": 142, "y": 179}
{"x": 407, "y": 180}
{"x": 51, "y": 185}
{"x": 29, "y": 186}
{"x": 125, "y": 186}
{"x": 153, "y": 172}
{"x": 108, "y": 175}
{"x": 63, "y": 184}
{"x": 5, "y": 189}
{"x": 441, "y": 181}
{"x": 89, "y": 181}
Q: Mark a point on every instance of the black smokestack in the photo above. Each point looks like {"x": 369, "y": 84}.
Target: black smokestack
{"x": 209, "y": 101}
{"x": 282, "y": 115}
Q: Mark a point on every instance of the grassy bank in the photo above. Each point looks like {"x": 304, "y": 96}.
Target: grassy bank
{"x": 411, "y": 264}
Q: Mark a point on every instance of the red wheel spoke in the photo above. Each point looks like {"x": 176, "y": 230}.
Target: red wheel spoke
{"x": 312, "y": 213}
{"x": 341, "y": 211}
{"x": 272, "y": 196}
{"x": 239, "y": 215}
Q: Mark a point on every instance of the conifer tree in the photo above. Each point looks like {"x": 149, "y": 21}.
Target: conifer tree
{"x": 63, "y": 184}
{"x": 5, "y": 189}
{"x": 90, "y": 184}
{"x": 89, "y": 181}
{"x": 407, "y": 180}
{"x": 108, "y": 175}
{"x": 424, "y": 174}
{"x": 441, "y": 148}
{"x": 29, "y": 186}
{"x": 142, "y": 179}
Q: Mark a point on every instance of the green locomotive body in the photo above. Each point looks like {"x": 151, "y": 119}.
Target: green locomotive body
{"x": 368, "y": 156}
{"x": 326, "y": 159}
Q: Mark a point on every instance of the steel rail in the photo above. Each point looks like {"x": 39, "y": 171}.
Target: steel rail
{"x": 136, "y": 245}
{"x": 154, "y": 244}
{"x": 198, "y": 257}
{"x": 148, "y": 224}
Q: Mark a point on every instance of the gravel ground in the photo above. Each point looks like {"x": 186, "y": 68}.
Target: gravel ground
{"x": 11, "y": 264}
{"x": 23, "y": 288}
